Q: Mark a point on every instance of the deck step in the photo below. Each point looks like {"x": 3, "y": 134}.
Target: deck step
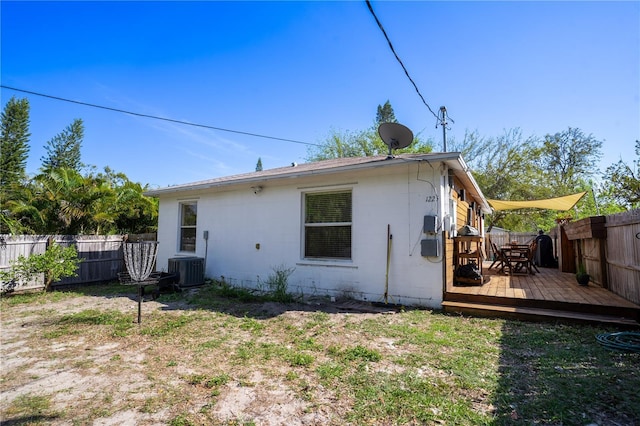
{"x": 606, "y": 309}
{"x": 535, "y": 314}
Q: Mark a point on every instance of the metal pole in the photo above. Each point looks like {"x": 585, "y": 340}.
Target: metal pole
{"x": 139, "y": 302}
{"x": 443, "y": 122}
{"x": 595, "y": 200}
{"x": 386, "y": 278}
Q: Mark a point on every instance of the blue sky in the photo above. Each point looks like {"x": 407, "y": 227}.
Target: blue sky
{"x": 297, "y": 70}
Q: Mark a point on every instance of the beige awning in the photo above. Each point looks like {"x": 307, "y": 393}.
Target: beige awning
{"x": 560, "y": 203}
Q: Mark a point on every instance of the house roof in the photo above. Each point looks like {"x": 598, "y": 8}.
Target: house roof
{"x": 452, "y": 159}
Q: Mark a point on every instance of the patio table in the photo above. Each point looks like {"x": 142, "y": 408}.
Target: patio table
{"x": 515, "y": 258}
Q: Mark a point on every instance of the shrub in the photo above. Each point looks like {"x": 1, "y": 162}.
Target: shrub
{"x": 55, "y": 263}
{"x": 278, "y": 284}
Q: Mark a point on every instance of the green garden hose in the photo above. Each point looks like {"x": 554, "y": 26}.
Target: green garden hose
{"x": 625, "y": 341}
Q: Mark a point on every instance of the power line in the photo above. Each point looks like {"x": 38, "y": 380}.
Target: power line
{"x": 399, "y": 60}
{"x": 186, "y": 123}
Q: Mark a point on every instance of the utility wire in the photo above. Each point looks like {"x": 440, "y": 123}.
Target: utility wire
{"x": 186, "y": 123}
{"x": 399, "y": 60}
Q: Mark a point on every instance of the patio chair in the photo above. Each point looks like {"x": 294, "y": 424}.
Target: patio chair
{"x": 499, "y": 259}
{"x": 526, "y": 262}
{"x": 532, "y": 254}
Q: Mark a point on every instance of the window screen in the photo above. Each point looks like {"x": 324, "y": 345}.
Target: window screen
{"x": 327, "y": 228}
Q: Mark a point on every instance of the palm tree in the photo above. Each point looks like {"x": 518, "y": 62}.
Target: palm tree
{"x": 74, "y": 204}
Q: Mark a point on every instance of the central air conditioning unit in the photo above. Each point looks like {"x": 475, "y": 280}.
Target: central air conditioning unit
{"x": 189, "y": 269}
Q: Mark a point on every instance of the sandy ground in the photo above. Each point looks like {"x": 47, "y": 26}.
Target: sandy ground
{"x": 74, "y": 372}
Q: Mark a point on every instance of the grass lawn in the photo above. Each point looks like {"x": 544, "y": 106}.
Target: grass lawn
{"x": 224, "y": 356}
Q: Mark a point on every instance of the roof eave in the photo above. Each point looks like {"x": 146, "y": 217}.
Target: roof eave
{"x": 464, "y": 173}
{"x": 374, "y": 163}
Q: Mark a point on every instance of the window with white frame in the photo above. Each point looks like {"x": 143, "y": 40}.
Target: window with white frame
{"x": 188, "y": 219}
{"x": 327, "y": 225}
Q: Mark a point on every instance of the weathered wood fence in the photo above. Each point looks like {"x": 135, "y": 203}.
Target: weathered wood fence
{"x": 607, "y": 246}
{"x": 501, "y": 239}
{"x": 102, "y": 255}
{"x": 623, "y": 254}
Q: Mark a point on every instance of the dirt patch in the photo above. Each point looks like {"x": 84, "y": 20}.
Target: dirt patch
{"x": 81, "y": 373}
{"x": 218, "y": 357}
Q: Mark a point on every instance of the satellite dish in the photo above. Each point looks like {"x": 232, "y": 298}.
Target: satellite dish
{"x": 395, "y": 135}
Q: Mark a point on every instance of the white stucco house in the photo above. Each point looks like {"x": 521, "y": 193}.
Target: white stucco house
{"x": 365, "y": 227}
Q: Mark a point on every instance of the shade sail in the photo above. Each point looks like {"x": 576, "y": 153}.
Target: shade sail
{"x": 559, "y": 203}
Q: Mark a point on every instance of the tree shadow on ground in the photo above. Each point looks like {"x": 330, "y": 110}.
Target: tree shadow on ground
{"x": 239, "y": 302}
{"x": 28, "y": 420}
{"x": 557, "y": 374}
{"x": 264, "y": 307}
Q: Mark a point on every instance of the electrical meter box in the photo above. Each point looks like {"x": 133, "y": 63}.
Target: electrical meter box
{"x": 429, "y": 248}
{"x": 430, "y": 224}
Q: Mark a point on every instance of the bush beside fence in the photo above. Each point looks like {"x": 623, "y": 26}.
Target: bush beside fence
{"x": 101, "y": 254}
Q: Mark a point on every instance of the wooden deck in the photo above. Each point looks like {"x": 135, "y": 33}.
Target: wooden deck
{"x": 548, "y": 294}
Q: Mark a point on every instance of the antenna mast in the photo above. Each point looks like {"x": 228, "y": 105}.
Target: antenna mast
{"x": 443, "y": 121}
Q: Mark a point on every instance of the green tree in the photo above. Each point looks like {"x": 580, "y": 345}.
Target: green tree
{"x": 126, "y": 209}
{"x": 364, "y": 143}
{"x": 23, "y": 212}
{"x": 385, "y": 114}
{"x": 56, "y": 190}
{"x": 14, "y": 142}
{"x": 512, "y": 167}
{"x": 568, "y": 159}
{"x": 64, "y": 149}
{"x": 135, "y": 213}
{"x": 340, "y": 144}
{"x": 505, "y": 169}
{"x": 622, "y": 182}
{"x": 14, "y": 151}
{"x": 55, "y": 263}
{"x": 259, "y": 165}
{"x": 63, "y": 201}
{"x": 60, "y": 199}
{"x": 71, "y": 203}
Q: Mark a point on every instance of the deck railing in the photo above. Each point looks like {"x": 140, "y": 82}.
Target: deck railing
{"x": 504, "y": 238}
{"x": 607, "y": 246}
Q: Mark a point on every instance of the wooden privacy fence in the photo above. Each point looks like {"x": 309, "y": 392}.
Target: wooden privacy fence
{"x": 501, "y": 239}
{"x": 101, "y": 255}
{"x": 609, "y": 249}
{"x": 607, "y": 246}
{"x": 623, "y": 254}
